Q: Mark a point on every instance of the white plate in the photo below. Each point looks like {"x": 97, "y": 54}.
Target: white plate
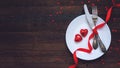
{"x": 74, "y": 28}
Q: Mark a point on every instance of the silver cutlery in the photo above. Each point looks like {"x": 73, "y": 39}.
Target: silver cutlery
{"x": 92, "y": 25}
{"x": 102, "y": 46}
{"x": 88, "y": 17}
{"x": 95, "y": 18}
{"x": 97, "y": 41}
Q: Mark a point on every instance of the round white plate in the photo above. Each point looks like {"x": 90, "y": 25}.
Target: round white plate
{"x": 74, "y": 27}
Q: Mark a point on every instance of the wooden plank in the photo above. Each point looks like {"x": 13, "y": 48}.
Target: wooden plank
{"x": 28, "y": 3}
{"x": 16, "y": 37}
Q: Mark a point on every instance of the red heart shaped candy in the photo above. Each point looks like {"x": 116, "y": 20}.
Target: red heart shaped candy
{"x": 83, "y": 32}
{"x": 78, "y": 38}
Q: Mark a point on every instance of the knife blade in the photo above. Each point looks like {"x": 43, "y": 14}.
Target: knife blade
{"x": 89, "y": 17}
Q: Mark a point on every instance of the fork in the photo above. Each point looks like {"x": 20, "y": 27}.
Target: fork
{"x": 95, "y": 18}
{"x": 97, "y": 41}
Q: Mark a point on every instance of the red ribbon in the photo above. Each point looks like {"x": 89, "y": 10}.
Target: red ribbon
{"x": 92, "y": 35}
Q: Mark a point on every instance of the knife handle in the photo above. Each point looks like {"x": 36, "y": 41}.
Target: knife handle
{"x": 102, "y": 46}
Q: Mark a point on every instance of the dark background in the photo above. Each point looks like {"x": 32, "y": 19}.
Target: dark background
{"x": 32, "y": 33}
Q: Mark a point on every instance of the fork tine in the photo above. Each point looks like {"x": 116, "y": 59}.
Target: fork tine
{"x": 94, "y": 11}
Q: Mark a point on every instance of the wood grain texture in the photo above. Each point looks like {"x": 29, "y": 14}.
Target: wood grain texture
{"x": 32, "y": 33}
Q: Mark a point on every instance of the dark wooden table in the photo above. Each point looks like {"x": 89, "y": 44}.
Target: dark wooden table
{"x": 32, "y": 33}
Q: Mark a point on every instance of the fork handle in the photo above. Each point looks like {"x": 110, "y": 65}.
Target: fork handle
{"x": 95, "y": 42}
